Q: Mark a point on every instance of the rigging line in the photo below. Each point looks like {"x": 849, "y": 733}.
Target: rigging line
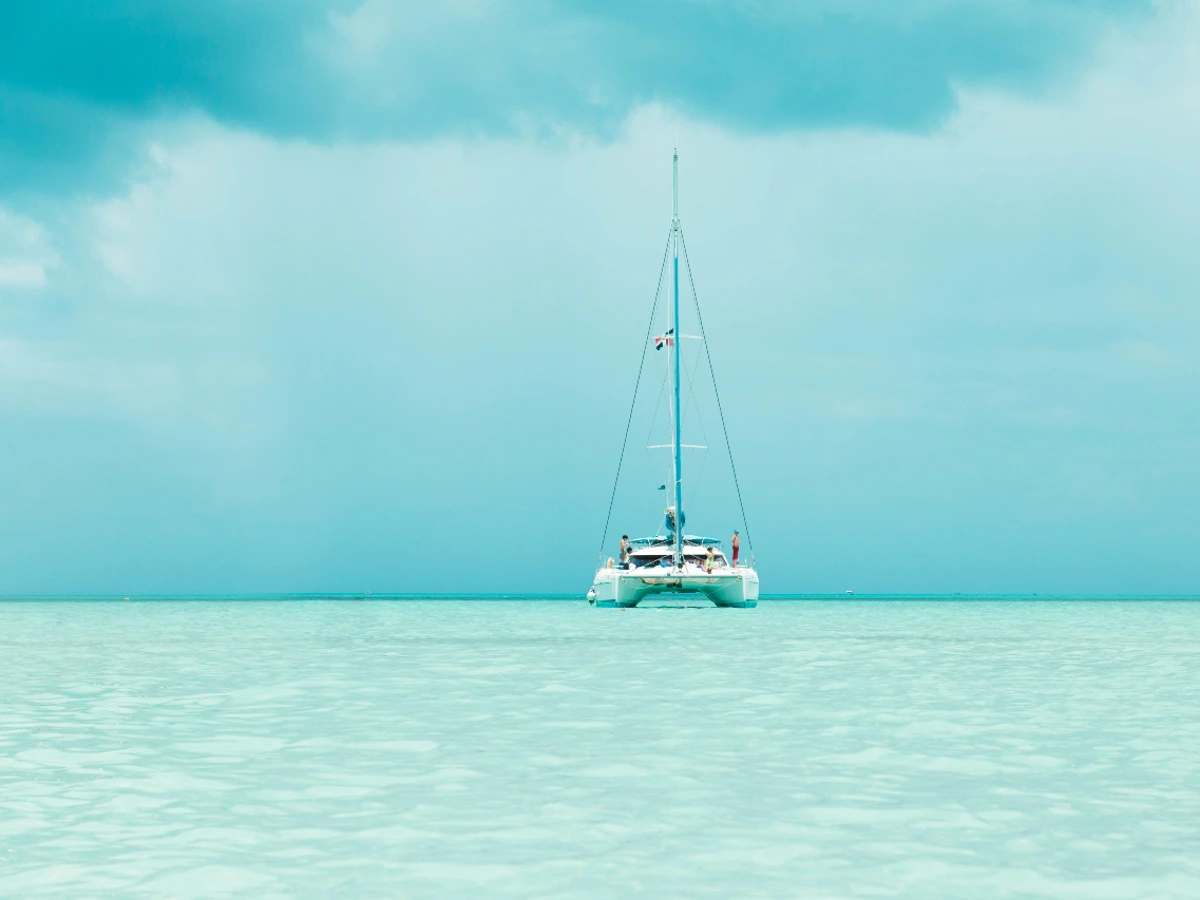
{"x": 692, "y": 401}
{"x": 696, "y": 480}
{"x": 691, "y": 398}
{"x": 713, "y": 374}
{"x": 666, "y": 459}
{"x": 633, "y": 403}
{"x": 662, "y": 389}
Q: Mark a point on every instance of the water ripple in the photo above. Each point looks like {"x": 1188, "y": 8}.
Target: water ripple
{"x": 438, "y": 748}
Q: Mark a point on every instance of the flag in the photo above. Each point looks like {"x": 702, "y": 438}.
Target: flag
{"x": 664, "y": 340}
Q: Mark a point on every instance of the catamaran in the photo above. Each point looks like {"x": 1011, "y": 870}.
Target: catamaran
{"x": 672, "y": 562}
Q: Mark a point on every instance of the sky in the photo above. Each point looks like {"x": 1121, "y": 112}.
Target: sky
{"x": 338, "y": 297}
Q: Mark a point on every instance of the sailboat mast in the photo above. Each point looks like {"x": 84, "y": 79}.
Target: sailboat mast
{"x": 678, "y": 467}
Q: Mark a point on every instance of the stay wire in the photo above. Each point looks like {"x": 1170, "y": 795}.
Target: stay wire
{"x": 694, "y": 404}
{"x": 662, "y": 390}
{"x": 716, "y": 392}
{"x": 633, "y": 403}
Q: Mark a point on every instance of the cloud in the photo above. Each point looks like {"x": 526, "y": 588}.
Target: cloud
{"x": 79, "y": 79}
{"x": 25, "y": 256}
{"x": 19, "y": 273}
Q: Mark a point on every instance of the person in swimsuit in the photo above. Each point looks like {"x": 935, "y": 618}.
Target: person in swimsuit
{"x": 736, "y": 545}
{"x": 625, "y": 551}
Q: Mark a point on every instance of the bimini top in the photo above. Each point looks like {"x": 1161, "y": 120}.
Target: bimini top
{"x": 670, "y": 541}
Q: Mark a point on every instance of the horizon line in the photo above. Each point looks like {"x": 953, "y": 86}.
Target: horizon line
{"x": 576, "y": 596}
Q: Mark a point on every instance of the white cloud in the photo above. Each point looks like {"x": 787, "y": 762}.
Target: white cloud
{"x": 22, "y": 273}
{"x": 25, "y": 255}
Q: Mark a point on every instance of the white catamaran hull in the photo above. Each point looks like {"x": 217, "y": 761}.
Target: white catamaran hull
{"x": 627, "y": 588}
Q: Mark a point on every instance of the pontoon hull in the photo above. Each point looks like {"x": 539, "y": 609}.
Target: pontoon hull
{"x": 620, "y": 588}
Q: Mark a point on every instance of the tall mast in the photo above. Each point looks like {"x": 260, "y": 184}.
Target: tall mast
{"x": 678, "y": 467}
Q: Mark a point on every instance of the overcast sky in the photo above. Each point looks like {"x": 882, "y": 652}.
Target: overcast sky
{"x": 310, "y": 296}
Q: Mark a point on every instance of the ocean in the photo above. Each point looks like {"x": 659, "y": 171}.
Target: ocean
{"x": 446, "y": 747}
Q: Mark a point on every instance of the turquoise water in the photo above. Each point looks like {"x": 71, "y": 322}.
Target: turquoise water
{"x": 451, "y": 748}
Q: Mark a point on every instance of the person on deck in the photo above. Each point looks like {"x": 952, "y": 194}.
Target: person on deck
{"x": 624, "y": 551}
{"x": 710, "y": 562}
{"x": 736, "y": 545}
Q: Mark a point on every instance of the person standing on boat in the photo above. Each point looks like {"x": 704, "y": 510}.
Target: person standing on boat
{"x": 736, "y": 544}
{"x": 710, "y": 562}
{"x": 624, "y": 551}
